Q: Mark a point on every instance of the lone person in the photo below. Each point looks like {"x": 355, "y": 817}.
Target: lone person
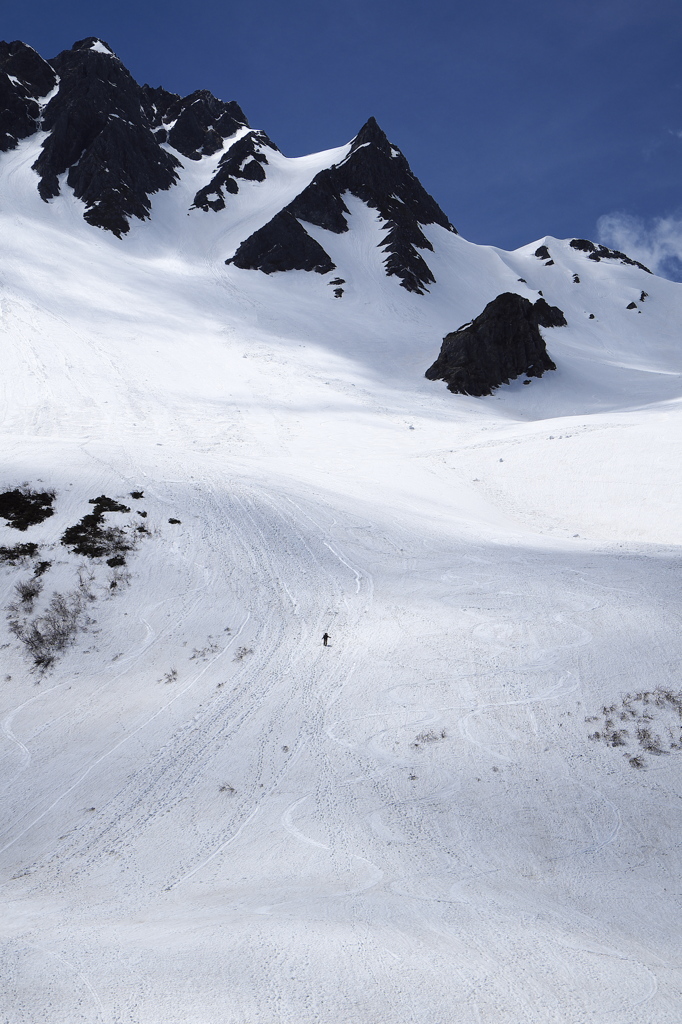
{"x": 325, "y": 638}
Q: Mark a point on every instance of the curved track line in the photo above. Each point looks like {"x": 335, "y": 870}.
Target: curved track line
{"x": 125, "y": 739}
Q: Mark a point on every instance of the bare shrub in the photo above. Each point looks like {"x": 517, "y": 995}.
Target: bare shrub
{"x": 48, "y": 634}
{"x": 204, "y": 653}
{"x": 28, "y": 591}
{"x": 18, "y": 553}
{"x": 644, "y": 709}
{"x": 241, "y": 653}
{"x": 428, "y": 737}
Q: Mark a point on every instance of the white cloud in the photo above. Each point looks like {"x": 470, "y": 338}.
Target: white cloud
{"x": 656, "y": 242}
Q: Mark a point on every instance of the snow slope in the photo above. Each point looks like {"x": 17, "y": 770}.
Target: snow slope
{"x": 209, "y": 817}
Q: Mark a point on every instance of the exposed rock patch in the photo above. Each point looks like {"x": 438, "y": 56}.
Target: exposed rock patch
{"x": 244, "y": 160}
{"x": 24, "y": 79}
{"x": 378, "y": 174}
{"x": 499, "y": 345}
{"x": 196, "y": 125}
{"x": 106, "y": 132}
{"x": 602, "y": 252}
{"x": 100, "y": 134}
{"x": 282, "y": 244}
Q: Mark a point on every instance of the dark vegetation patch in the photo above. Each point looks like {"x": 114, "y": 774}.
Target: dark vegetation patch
{"x": 646, "y": 722}
{"x": 24, "y": 507}
{"x": 18, "y": 553}
{"x": 137, "y": 495}
{"x": 174, "y": 520}
{"x": 93, "y": 538}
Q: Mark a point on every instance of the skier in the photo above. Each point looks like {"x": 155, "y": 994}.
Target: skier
{"x": 325, "y": 638}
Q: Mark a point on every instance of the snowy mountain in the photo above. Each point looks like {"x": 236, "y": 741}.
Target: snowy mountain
{"x": 219, "y": 443}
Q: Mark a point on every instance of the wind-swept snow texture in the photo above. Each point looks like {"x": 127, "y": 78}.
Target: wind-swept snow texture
{"x": 210, "y": 818}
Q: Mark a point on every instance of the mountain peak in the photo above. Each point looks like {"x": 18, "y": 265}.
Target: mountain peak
{"x": 94, "y": 44}
{"x": 371, "y": 134}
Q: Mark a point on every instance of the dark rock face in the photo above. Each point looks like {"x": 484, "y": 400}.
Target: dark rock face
{"x": 378, "y": 174}
{"x": 282, "y": 244}
{"x": 196, "y": 125}
{"x": 101, "y": 135}
{"x": 245, "y": 159}
{"x": 499, "y": 345}
{"x": 548, "y": 316}
{"x": 601, "y": 252}
{"x": 105, "y": 131}
{"x": 24, "y": 79}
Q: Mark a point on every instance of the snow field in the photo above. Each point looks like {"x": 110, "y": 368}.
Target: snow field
{"x": 211, "y": 818}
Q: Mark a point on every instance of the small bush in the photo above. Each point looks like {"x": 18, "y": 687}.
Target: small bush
{"x": 241, "y": 653}
{"x": 46, "y": 636}
{"x": 28, "y": 591}
{"x": 18, "y": 553}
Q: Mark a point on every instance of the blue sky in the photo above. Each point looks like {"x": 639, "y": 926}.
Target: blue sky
{"x": 522, "y": 118}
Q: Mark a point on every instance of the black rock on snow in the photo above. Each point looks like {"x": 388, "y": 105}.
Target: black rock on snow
{"x": 194, "y": 125}
{"x": 378, "y": 174}
{"x": 107, "y": 133}
{"x": 282, "y": 244}
{"x": 25, "y": 79}
{"x": 601, "y": 252}
{"x": 100, "y": 133}
{"x": 499, "y": 345}
{"x": 245, "y": 159}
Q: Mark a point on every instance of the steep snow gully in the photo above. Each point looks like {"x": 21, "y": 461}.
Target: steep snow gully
{"x": 467, "y": 807}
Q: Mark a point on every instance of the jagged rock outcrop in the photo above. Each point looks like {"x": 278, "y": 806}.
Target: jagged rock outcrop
{"x": 245, "y": 159}
{"x": 499, "y": 345}
{"x": 378, "y": 174}
{"x": 99, "y": 134}
{"x": 195, "y": 125}
{"x": 25, "y": 79}
{"x": 107, "y": 133}
{"x": 602, "y": 252}
{"x": 282, "y": 244}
